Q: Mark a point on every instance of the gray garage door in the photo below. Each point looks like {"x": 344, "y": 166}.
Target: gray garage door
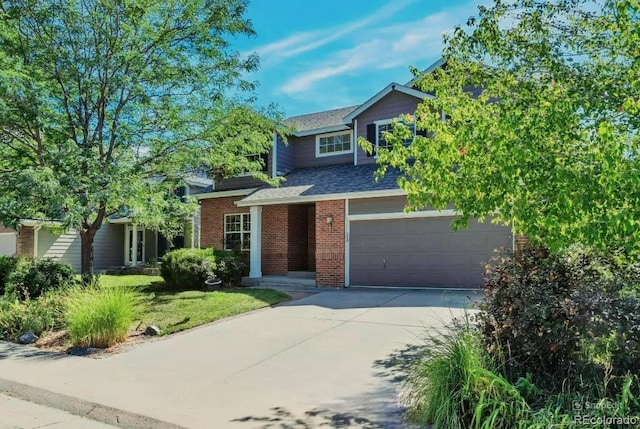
{"x": 422, "y": 252}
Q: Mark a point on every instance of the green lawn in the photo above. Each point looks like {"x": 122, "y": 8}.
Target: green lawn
{"x": 176, "y": 311}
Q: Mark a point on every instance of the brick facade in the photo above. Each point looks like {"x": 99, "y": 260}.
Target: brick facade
{"x": 330, "y": 243}
{"x": 212, "y": 223}
{"x": 294, "y": 237}
{"x": 275, "y": 240}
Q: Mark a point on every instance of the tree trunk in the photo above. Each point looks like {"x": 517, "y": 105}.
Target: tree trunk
{"x": 86, "y": 250}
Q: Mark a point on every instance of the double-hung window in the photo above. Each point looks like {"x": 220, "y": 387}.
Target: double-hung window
{"x": 237, "y": 231}
{"x": 386, "y": 126}
{"x": 334, "y": 143}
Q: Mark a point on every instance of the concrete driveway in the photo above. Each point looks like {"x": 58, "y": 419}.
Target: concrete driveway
{"x": 333, "y": 359}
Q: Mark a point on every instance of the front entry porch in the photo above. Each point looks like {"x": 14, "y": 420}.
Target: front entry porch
{"x": 283, "y": 241}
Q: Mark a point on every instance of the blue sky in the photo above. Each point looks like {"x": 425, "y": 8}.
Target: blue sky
{"x": 319, "y": 55}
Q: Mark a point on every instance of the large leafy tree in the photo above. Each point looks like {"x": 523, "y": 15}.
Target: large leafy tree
{"x": 105, "y": 105}
{"x": 550, "y": 143}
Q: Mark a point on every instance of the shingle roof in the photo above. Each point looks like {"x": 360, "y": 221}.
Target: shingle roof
{"x": 313, "y": 121}
{"x": 333, "y": 179}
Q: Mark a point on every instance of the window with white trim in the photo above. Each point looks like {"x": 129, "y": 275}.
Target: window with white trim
{"x": 237, "y": 231}
{"x": 334, "y": 143}
{"x": 387, "y": 126}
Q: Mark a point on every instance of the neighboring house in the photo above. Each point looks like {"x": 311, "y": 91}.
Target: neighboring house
{"x": 119, "y": 242}
{"x": 331, "y": 217}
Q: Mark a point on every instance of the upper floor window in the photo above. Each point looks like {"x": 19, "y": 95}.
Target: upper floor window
{"x": 386, "y": 126}
{"x": 334, "y": 143}
{"x": 263, "y": 158}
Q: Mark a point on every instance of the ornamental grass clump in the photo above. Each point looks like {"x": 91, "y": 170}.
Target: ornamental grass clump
{"x": 100, "y": 317}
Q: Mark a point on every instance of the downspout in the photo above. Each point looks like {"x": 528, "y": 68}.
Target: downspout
{"x": 355, "y": 142}
{"x": 35, "y": 240}
{"x": 274, "y": 156}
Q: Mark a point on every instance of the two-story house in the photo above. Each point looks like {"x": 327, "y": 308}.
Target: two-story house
{"x": 332, "y": 218}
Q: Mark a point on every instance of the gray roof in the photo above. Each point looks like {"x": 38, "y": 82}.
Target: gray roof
{"x": 333, "y": 179}
{"x": 313, "y": 121}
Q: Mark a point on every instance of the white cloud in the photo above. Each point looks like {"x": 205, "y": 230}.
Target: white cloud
{"x": 302, "y": 42}
{"x": 384, "y": 47}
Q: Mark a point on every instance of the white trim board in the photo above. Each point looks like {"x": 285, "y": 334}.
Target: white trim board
{"x": 402, "y": 215}
{"x": 322, "y": 197}
{"x": 347, "y": 245}
{"x": 222, "y": 194}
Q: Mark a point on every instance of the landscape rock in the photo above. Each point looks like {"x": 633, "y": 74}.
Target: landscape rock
{"x": 84, "y": 351}
{"x": 28, "y": 338}
{"x": 152, "y": 330}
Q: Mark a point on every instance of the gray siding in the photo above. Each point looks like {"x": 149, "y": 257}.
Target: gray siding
{"x": 150, "y": 248}
{"x": 381, "y": 205}
{"x": 238, "y": 183}
{"x": 377, "y": 205}
{"x": 108, "y": 247}
{"x": 392, "y": 105}
{"x": 241, "y": 182}
{"x": 305, "y": 154}
{"x": 8, "y": 243}
{"x": 64, "y": 247}
{"x": 285, "y": 156}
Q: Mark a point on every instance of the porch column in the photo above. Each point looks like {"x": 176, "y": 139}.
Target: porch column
{"x": 255, "y": 264}
{"x": 134, "y": 245}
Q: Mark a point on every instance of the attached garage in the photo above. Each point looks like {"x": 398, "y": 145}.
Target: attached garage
{"x": 404, "y": 251}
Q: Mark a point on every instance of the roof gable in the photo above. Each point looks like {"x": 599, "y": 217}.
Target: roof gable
{"x": 380, "y": 95}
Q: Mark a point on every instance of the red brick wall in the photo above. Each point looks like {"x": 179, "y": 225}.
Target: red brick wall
{"x": 298, "y": 237}
{"x": 275, "y": 240}
{"x": 212, "y": 223}
{"x": 330, "y": 243}
{"x": 311, "y": 237}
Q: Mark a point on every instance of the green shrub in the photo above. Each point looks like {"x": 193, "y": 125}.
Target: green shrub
{"x": 187, "y": 268}
{"x": 7, "y": 265}
{"x": 457, "y": 385}
{"x": 100, "y": 317}
{"x": 229, "y": 267}
{"x": 36, "y": 315}
{"x": 551, "y": 315}
{"x": 30, "y": 278}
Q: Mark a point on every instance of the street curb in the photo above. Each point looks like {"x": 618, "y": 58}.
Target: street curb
{"x": 82, "y": 408}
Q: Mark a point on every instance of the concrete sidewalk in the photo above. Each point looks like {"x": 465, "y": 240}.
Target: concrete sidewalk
{"x": 329, "y": 359}
{"x": 19, "y": 414}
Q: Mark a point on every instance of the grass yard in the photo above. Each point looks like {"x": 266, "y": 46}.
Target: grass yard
{"x": 176, "y": 311}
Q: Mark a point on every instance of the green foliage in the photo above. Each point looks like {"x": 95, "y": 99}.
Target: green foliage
{"x": 229, "y": 267}
{"x": 7, "y": 265}
{"x": 456, "y": 385}
{"x": 187, "y": 268}
{"x": 36, "y": 315}
{"x": 559, "y": 318}
{"x": 100, "y": 317}
{"x": 30, "y": 278}
{"x": 542, "y": 123}
{"x": 99, "y": 100}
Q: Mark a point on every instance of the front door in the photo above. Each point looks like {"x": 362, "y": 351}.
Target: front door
{"x": 134, "y": 247}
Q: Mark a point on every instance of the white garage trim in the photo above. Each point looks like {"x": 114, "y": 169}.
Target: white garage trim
{"x": 346, "y": 244}
{"x": 402, "y": 215}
